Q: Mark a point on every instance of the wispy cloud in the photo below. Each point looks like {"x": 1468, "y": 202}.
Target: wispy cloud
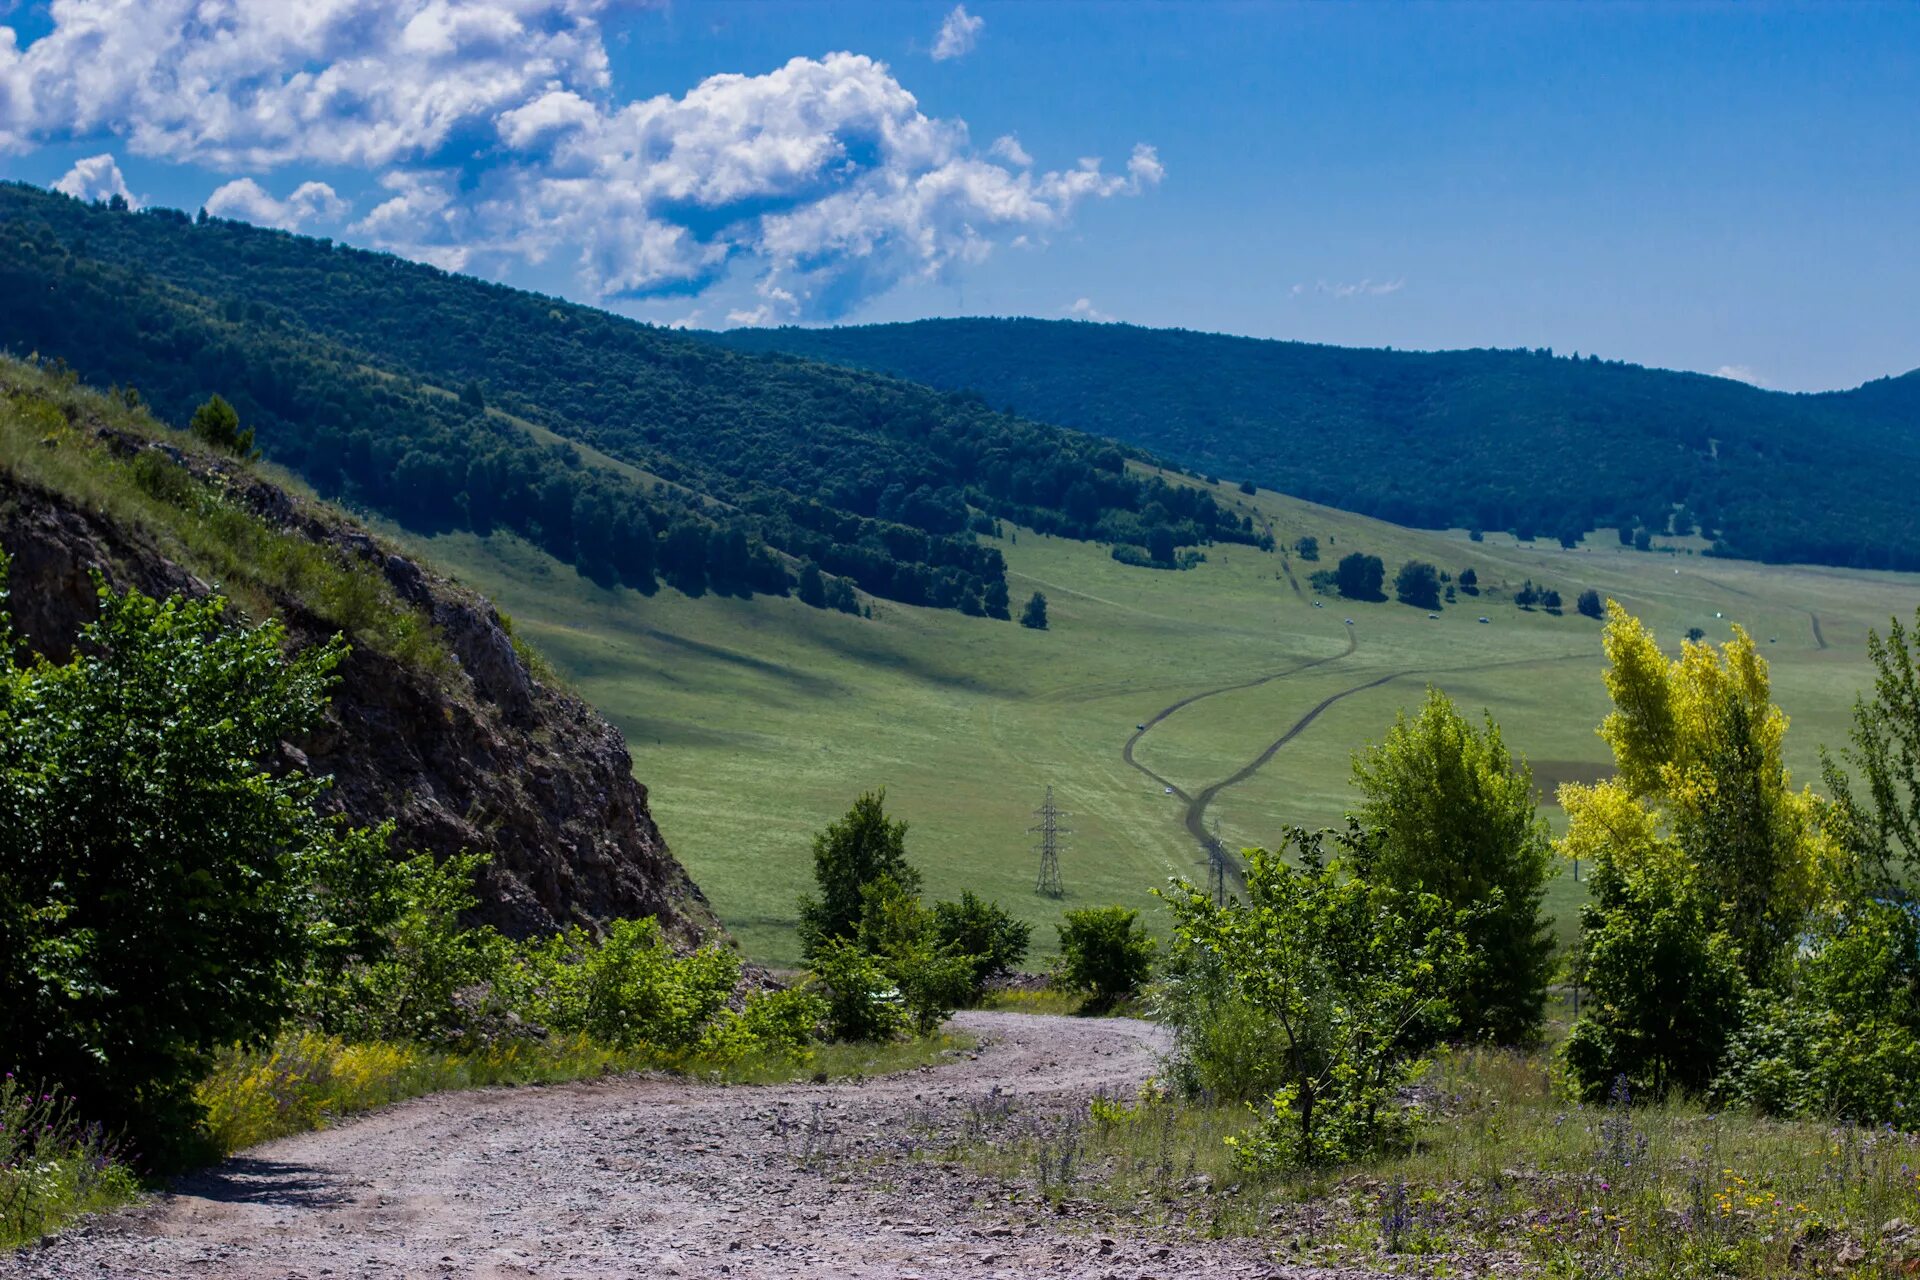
{"x": 1083, "y": 309}
{"x": 959, "y": 32}
{"x": 1368, "y": 288}
{"x": 1740, "y": 373}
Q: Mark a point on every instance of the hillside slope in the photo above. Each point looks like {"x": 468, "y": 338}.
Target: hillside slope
{"x": 1492, "y": 439}
{"x": 446, "y": 402}
{"x": 437, "y": 723}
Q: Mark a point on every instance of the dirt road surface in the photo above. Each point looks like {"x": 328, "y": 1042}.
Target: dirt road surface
{"x": 660, "y": 1178}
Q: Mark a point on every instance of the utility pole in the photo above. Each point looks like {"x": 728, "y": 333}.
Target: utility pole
{"x": 1217, "y": 866}
{"x": 1049, "y": 830}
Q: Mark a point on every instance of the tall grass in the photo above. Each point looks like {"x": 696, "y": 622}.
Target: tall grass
{"x": 52, "y": 1165}
{"x": 1508, "y": 1174}
{"x": 199, "y": 522}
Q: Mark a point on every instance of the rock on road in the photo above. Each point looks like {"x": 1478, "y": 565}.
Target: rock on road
{"x": 645, "y": 1177}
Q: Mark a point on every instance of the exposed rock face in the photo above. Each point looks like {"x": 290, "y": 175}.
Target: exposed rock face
{"x": 488, "y": 758}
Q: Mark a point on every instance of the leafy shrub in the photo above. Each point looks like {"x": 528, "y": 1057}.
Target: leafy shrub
{"x": 1842, "y": 1037}
{"x": 932, "y": 977}
{"x": 1352, "y": 974}
{"x": 848, "y": 856}
{"x": 775, "y": 1025}
{"x": 984, "y": 930}
{"x": 1418, "y": 584}
{"x": 216, "y": 423}
{"x": 1225, "y": 1048}
{"x": 151, "y": 887}
{"x": 1360, "y": 577}
{"x": 862, "y": 1001}
{"x": 627, "y": 988}
{"x": 1106, "y": 952}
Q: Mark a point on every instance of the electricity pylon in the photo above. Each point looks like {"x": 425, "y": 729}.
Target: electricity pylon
{"x": 1049, "y": 830}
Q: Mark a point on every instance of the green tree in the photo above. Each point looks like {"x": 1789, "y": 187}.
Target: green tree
{"x": 216, "y": 423}
{"x": 992, "y": 935}
{"x": 1360, "y": 577}
{"x": 848, "y": 856}
{"x": 1705, "y": 863}
{"x": 1418, "y": 584}
{"x": 154, "y": 857}
{"x": 1035, "y": 613}
{"x": 1470, "y": 581}
{"x": 1105, "y": 951}
{"x": 813, "y": 589}
{"x": 1590, "y": 604}
{"x": 1350, "y": 975}
{"x": 1452, "y": 813}
{"x": 1882, "y": 819}
{"x": 1307, "y": 547}
{"x": 1160, "y": 544}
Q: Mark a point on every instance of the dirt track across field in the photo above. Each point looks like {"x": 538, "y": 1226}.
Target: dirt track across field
{"x": 657, "y": 1178}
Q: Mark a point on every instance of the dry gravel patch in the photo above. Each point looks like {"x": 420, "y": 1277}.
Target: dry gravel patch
{"x": 650, "y": 1178}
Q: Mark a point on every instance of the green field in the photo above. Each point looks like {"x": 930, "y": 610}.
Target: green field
{"x": 756, "y": 722}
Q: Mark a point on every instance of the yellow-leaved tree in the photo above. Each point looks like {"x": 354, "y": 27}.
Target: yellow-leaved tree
{"x": 1707, "y": 864}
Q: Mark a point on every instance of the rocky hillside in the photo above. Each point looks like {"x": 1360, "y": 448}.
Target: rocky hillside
{"x": 438, "y": 723}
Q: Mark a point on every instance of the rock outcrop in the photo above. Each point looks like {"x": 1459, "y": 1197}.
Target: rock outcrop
{"x": 487, "y": 757}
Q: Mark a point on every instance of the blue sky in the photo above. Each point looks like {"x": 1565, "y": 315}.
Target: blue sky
{"x": 1724, "y": 188}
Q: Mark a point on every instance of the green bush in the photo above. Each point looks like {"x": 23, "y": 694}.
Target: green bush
{"x": 1105, "y": 951}
{"x": 988, "y": 932}
{"x": 1350, "y": 974}
{"x": 1226, "y": 1049}
{"x": 848, "y": 856}
{"x": 862, "y": 1001}
{"x": 152, "y": 868}
{"x": 626, "y": 988}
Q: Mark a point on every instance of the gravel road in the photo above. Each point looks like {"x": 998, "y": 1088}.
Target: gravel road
{"x": 660, "y": 1177}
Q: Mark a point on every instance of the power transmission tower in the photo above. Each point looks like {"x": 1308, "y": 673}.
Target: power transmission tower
{"x": 1217, "y": 866}
{"x": 1049, "y": 830}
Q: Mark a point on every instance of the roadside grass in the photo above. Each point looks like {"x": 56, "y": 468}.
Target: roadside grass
{"x": 305, "y": 1080}
{"x": 1509, "y": 1175}
{"x": 1055, "y": 1001}
{"x": 53, "y": 1167}
{"x": 756, "y": 722}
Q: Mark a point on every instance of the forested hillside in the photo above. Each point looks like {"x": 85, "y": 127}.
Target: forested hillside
{"x": 424, "y": 395}
{"x": 1522, "y": 440}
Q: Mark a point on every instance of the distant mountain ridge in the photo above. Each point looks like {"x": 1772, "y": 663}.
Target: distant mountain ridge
{"x": 1496, "y": 439}
{"x": 435, "y": 399}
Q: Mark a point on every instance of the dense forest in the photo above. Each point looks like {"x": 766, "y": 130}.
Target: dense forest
{"x": 435, "y": 398}
{"x": 1523, "y": 440}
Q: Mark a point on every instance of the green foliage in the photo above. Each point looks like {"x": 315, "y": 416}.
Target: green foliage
{"x": 1883, "y": 820}
{"x": 932, "y": 976}
{"x": 851, "y": 854}
{"x": 626, "y": 988}
{"x": 1104, "y": 951}
{"x": 1307, "y": 547}
{"x": 1841, "y": 1037}
{"x": 1226, "y": 1048}
{"x": 217, "y": 424}
{"x": 1705, "y": 864}
{"x": 1452, "y": 814}
{"x": 1469, "y": 581}
{"x": 152, "y": 885}
{"x": 862, "y": 1001}
{"x": 1034, "y": 615}
{"x": 1359, "y": 577}
{"x": 54, "y": 1164}
{"x": 995, "y": 938}
{"x": 1349, "y": 977}
{"x": 1417, "y": 584}
{"x": 1479, "y": 439}
{"x": 1590, "y": 604}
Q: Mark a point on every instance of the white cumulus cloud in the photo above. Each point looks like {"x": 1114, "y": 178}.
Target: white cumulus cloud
{"x": 959, "y": 32}
{"x": 1083, "y": 309}
{"x": 248, "y": 201}
{"x": 498, "y": 140}
{"x": 1739, "y": 373}
{"x": 96, "y": 178}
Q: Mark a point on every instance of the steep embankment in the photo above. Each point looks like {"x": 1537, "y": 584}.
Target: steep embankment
{"x": 451, "y": 736}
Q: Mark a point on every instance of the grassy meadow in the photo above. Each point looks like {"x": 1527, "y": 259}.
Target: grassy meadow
{"x": 756, "y": 722}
